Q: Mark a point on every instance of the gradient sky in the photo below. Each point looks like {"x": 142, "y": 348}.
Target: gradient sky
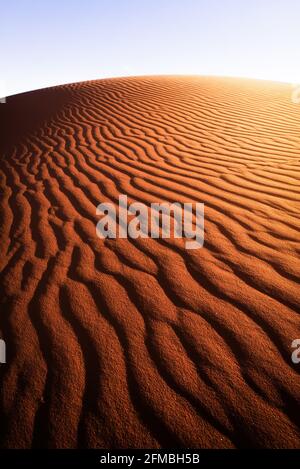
{"x": 48, "y": 42}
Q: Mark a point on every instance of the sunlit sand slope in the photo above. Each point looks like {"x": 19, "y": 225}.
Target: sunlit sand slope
{"x": 143, "y": 343}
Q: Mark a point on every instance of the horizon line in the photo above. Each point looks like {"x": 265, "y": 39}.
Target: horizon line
{"x": 274, "y": 81}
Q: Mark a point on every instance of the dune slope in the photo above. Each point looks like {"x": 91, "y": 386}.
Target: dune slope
{"x": 142, "y": 343}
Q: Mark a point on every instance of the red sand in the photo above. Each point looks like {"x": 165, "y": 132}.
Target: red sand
{"x": 142, "y": 343}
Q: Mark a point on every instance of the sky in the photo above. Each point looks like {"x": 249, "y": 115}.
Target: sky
{"x": 49, "y": 42}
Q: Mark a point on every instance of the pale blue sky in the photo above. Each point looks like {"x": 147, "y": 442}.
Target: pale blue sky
{"x": 48, "y": 42}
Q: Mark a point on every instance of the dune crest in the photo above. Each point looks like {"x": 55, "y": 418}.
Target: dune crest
{"x": 140, "y": 342}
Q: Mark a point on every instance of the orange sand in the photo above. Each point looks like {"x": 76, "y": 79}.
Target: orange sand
{"x": 142, "y": 343}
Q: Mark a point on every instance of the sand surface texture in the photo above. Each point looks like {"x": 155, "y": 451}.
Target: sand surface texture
{"x": 141, "y": 342}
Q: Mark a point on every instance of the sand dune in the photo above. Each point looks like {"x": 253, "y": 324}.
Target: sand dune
{"x": 142, "y": 343}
